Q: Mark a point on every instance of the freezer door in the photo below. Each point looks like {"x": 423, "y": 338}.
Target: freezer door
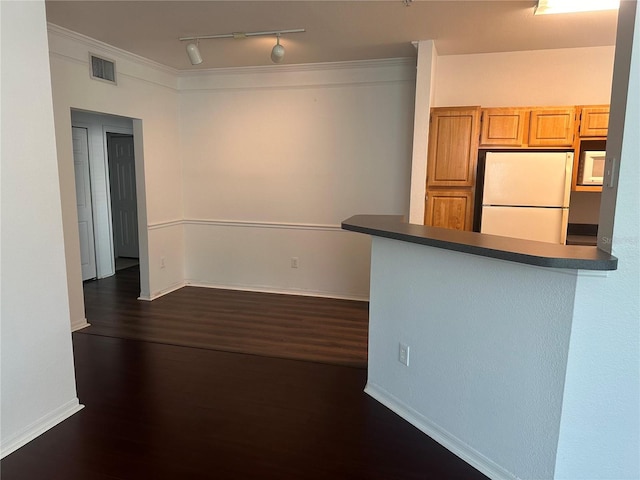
{"x": 539, "y": 179}
{"x": 540, "y": 224}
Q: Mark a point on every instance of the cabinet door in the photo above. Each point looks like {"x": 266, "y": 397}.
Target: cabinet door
{"x": 503, "y": 127}
{"x": 453, "y": 147}
{"x": 594, "y": 121}
{"x": 552, "y": 127}
{"x": 449, "y": 209}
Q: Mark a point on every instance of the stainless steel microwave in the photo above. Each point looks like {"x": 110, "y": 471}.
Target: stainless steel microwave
{"x": 592, "y": 167}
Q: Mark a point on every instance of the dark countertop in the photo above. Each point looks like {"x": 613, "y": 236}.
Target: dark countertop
{"x": 541, "y": 254}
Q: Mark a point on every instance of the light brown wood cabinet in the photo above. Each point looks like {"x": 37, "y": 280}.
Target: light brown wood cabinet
{"x": 453, "y": 147}
{"x": 451, "y": 167}
{"x": 503, "y": 127}
{"x": 449, "y": 209}
{"x": 552, "y": 127}
{"x": 528, "y": 127}
{"x": 594, "y": 121}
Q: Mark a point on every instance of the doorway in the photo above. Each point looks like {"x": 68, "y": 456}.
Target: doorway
{"x": 104, "y": 157}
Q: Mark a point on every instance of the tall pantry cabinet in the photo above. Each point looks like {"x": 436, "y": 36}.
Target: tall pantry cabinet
{"x": 451, "y": 168}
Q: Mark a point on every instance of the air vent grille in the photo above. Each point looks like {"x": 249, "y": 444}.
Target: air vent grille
{"x": 103, "y": 69}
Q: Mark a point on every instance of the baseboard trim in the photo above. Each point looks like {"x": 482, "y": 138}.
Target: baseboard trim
{"x": 80, "y": 325}
{"x": 161, "y": 293}
{"x": 281, "y": 291}
{"x": 40, "y": 426}
{"x": 456, "y": 446}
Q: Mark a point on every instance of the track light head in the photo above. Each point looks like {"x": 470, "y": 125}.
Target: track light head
{"x": 277, "y": 53}
{"x": 194, "y": 53}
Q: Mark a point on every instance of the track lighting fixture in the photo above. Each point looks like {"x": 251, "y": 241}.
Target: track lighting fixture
{"x": 277, "y": 53}
{"x": 194, "y": 53}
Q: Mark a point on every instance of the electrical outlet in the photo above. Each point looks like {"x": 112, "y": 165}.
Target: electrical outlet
{"x": 294, "y": 262}
{"x": 162, "y": 265}
{"x": 403, "y": 354}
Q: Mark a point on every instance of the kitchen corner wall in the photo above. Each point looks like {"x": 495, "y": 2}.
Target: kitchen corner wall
{"x": 275, "y": 158}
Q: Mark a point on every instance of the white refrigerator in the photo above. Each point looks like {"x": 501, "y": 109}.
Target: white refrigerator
{"x": 526, "y": 195}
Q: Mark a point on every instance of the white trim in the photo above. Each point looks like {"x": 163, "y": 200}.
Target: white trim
{"x": 161, "y": 293}
{"x": 304, "y": 67}
{"x": 247, "y": 224}
{"x": 40, "y": 426}
{"x": 290, "y": 291}
{"x": 450, "y": 442}
{"x": 253, "y": 288}
{"x": 302, "y": 76}
{"x": 92, "y": 42}
{"x": 289, "y": 87}
{"x": 80, "y": 325}
{"x": 167, "y": 224}
{"x": 256, "y": 224}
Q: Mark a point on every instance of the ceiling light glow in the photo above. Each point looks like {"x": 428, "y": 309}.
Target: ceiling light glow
{"x": 573, "y": 6}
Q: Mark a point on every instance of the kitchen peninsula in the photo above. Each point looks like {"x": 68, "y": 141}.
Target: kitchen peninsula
{"x": 469, "y": 335}
{"x": 541, "y": 254}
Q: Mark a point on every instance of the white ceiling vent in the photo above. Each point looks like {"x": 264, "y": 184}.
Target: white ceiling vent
{"x": 102, "y": 69}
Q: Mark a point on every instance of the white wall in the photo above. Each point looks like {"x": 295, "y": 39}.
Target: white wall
{"x": 147, "y": 93}
{"x": 425, "y": 87}
{"x": 38, "y": 384}
{"x": 567, "y": 76}
{"x": 488, "y": 349}
{"x": 275, "y": 158}
{"x": 600, "y": 431}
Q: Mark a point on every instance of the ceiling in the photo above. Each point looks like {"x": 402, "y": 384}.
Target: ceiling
{"x": 335, "y": 30}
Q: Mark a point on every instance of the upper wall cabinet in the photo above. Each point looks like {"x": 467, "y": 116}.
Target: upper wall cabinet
{"x": 552, "y": 127}
{"x": 525, "y": 127}
{"x": 503, "y": 127}
{"x": 453, "y": 147}
{"x": 594, "y": 121}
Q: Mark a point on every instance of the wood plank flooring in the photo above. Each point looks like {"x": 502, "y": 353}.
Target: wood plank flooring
{"x": 158, "y": 411}
{"x": 284, "y": 326}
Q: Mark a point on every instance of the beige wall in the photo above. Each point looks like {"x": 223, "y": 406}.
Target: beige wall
{"x": 275, "y": 158}
{"x": 569, "y": 76}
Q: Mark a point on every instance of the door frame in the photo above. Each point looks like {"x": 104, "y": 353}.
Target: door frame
{"x": 98, "y": 125}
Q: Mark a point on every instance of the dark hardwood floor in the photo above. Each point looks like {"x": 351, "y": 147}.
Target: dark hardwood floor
{"x": 158, "y": 411}
{"x": 285, "y": 326}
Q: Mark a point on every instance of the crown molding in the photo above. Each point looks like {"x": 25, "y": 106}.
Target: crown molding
{"x": 92, "y": 43}
{"x": 302, "y": 67}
